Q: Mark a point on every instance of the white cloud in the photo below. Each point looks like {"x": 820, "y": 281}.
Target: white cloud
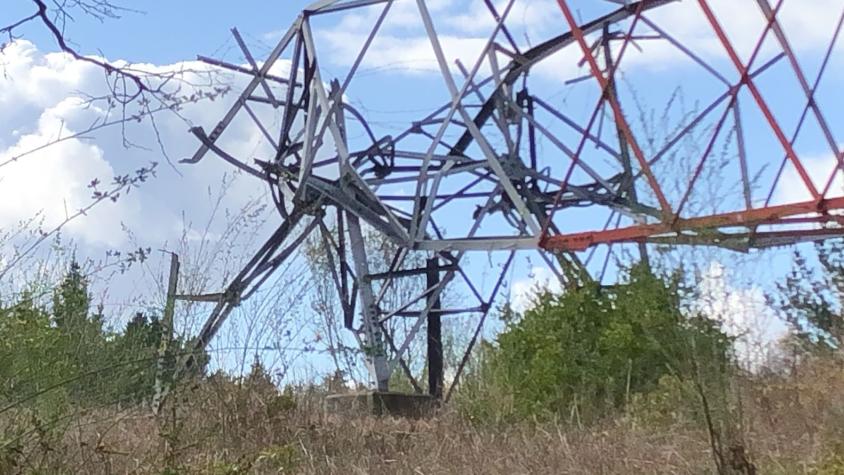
{"x": 404, "y": 54}
{"x": 41, "y": 91}
{"x": 54, "y": 181}
{"x": 464, "y": 27}
{"x": 808, "y": 25}
{"x": 524, "y": 290}
{"x": 402, "y": 45}
{"x": 745, "y": 315}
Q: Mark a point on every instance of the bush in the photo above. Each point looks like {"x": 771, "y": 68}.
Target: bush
{"x": 53, "y": 356}
{"x": 587, "y": 351}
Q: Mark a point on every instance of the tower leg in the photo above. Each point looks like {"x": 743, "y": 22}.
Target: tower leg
{"x": 435, "y": 343}
{"x": 373, "y": 338}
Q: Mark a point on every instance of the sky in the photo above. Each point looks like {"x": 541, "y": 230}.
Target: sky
{"x": 41, "y": 95}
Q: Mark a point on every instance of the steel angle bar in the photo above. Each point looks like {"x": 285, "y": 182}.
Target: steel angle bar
{"x": 499, "y": 119}
{"x": 574, "y": 125}
{"x": 685, "y": 50}
{"x": 745, "y": 218}
{"x": 255, "y": 70}
{"x": 338, "y": 6}
{"x": 411, "y": 155}
{"x": 347, "y": 173}
{"x": 779, "y": 238}
{"x": 312, "y": 118}
{"x": 450, "y": 197}
{"x": 575, "y": 159}
{"x": 607, "y": 96}
{"x": 442, "y": 312}
{"x": 409, "y": 303}
{"x": 241, "y": 69}
{"x": 398, "y": 260}
{"x": 604, "y": 228}
{"x": 322, "y": 97}
{"x": 234, "y": 291}
{"x": 757, "y": 96}
{"x": 253, "y": 84}
{"x": 435, "y": 185}
{"x": 279, "y": 259}
{"x": 392, "y": 274}
{"x": 734, "y": 97}
{"x": 473, "y": 341}
{"x": 744, "y": 242}
{"x": 499, "y": 243}
{"x": 741, "y": 147}
{"x": 808, "y": 91}
{"x": 260, "y": 126}
{"x": 444, "y": 281}
{"x": 543, "y": 50}
{"x": 805, "y": 112}
{"x": 447, "y": 168}
{"x": 560, "y": 261}
{"x": 444, "y": 108}
{"x": 354, "y": 205}
{"x": 456, "y": 95}
{"x": 683, "y": 133}
{"x": 562, "y": 147}
{"x": 462, "y": 191}
{"x": 376, "y": 357}
{"x": 351, "y": 179}
{"x": 320, "y": 4}
{"x": 404, "y": 366}
{"x": 698, "y": 170}
{"x": 209, "y": 144}
{"x": 497, "y": 17}
{"x": 337, "y": 95}
{"x": 620, "y": 119}
{"x": 469, "y": 283}
{"x": 345, "y": 270}
{"x": 366, "y": 45}
{"x": 469, "y": 168}
{"x": 579, "y": 196}
{"x": 568, "y": 262}
{"x": 325, "y": 234}
{"x": 200, "y": 298}
{"x": 504, "y": 97}
{"x": 291, "y": 110}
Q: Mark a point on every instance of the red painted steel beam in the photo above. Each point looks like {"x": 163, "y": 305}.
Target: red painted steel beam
{"x": 620, "y": 119}
{"x": 772, "y": 215}
{"x": 595, "y": 114}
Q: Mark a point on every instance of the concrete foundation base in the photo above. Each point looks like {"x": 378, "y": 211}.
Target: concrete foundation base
{"x": 377, "y": 403}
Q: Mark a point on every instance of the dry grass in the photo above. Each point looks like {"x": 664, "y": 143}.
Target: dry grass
{"x": 793, "y": 425}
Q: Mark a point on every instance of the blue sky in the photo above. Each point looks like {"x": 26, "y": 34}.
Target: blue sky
{"x": 396, "y": 84}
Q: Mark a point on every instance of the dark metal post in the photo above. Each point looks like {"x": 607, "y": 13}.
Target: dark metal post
{"x": 435, "y": 343}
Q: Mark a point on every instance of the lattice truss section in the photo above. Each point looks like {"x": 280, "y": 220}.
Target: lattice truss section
{"x": 651, "y": 121}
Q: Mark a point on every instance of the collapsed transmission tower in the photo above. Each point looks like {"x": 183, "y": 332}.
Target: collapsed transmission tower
{"x": 532, "y": 146}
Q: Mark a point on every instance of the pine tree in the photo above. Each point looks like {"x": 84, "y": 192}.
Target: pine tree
{"x": 71, "y": 300}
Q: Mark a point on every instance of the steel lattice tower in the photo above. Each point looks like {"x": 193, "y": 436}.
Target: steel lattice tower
{"x": 506, "y": 167}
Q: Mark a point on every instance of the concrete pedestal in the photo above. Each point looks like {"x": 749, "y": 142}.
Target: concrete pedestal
{"x": 376, "y": 403}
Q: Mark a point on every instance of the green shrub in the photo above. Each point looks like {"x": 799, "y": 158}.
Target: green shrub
{"x": 577, "y": 355}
